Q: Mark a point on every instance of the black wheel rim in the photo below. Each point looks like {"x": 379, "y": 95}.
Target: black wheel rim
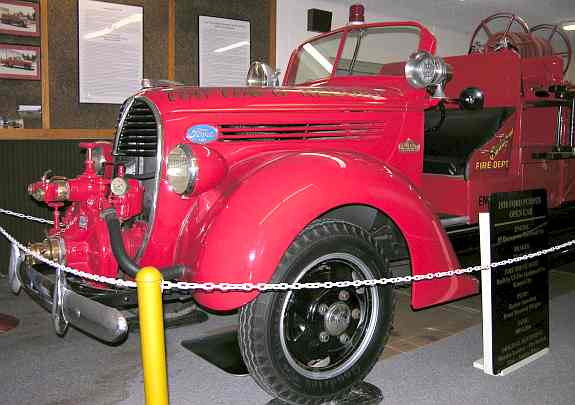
{"x": 324, "y": 332}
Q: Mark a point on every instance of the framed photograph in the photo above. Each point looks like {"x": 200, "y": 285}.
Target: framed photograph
{"x": 19, "y": 18}
{"x": 19, "y": 62}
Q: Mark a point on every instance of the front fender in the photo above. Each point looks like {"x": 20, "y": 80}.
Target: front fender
{"x": 263, "y": 209}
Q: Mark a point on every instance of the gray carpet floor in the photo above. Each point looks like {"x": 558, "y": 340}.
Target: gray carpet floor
{"x": 37, "y": 367}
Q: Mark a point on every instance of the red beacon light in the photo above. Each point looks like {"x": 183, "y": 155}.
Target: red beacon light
{"x": 356, "y": 14}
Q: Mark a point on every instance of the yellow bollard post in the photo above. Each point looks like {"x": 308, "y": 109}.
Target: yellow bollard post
{"x": 149, "y": 282}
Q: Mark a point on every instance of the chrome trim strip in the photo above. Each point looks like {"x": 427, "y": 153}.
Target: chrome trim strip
{"x": 159, "y": 149}
{"x": 454, "y": 221}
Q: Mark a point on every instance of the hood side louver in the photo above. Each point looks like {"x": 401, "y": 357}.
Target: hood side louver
{"x": 267, "y": 132}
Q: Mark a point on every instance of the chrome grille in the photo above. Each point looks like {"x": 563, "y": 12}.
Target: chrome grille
{"x": 138, "y": 134}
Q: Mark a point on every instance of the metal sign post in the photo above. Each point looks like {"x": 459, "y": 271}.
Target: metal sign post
{"x": 486, "y": 363}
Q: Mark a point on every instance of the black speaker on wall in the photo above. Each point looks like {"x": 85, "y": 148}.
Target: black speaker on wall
{"x": 318, "y": 20}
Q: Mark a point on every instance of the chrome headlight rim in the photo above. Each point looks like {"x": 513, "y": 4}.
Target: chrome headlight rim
{"x": 424, "y": 69}
{"x": 190, "y": 171}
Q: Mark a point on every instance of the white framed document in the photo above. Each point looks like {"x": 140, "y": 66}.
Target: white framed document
{"x": 111, "y": 51}
{"x": 224, "y": 51}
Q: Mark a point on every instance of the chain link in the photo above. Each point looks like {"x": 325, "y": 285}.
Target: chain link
{"x": 210, "y": 286}
{"x": 24, "y": 216}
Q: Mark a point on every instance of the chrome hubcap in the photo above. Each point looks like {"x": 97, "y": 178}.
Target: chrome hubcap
{"x": 337, "y": 318}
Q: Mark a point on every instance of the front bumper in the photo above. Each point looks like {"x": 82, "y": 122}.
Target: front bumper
{"x": 67, "y": 307}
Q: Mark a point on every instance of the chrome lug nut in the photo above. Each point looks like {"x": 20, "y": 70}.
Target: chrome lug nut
{"x": 323, "y": 337}
{"x": 323, "y": 308}
{"x": 343, "y": 295}
{"x": 356, "y": 313}
{"x": 343, "y": 338}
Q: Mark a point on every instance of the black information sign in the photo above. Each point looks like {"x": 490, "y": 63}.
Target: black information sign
{"x": 520, "y": 291}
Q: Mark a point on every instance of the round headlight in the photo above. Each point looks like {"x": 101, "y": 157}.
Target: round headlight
{"x": 182, "y": 169}
{"x": 423, "y": 70}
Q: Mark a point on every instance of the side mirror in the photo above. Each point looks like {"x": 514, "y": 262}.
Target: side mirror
{"x": 262, "y": 75}
{"x": 471, "y": 98}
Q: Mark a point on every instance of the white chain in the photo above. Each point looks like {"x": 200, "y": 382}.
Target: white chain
{"x": 24, "y": 216}
{"x": 180, "y": 285}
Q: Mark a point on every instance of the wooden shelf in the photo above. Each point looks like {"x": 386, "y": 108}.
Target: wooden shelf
{"x": 18, "y": 134}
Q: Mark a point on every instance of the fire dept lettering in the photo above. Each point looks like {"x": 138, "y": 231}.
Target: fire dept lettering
{"x": 495, "y": 164}
{"x": 494, "y": 151}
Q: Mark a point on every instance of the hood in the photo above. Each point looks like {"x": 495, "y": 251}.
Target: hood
{"x": 190, "y": 99}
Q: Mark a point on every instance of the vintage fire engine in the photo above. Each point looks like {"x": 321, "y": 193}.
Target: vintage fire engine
{"x": 372, "y": 152}
{"x": 16, "y": 62}
{"x": 17, "y": 20}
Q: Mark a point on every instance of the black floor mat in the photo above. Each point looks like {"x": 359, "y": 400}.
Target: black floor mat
{"x": 221, "y": 350}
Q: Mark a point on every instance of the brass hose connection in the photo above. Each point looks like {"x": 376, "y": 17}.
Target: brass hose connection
{"x": 51, "y": 248}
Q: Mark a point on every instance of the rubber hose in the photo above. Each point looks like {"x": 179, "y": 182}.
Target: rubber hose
{"x": 126, "y": 264}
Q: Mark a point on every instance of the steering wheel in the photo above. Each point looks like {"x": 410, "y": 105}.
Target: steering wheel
{"x": 561, "y": 48}
{"x": 497, "y": 40}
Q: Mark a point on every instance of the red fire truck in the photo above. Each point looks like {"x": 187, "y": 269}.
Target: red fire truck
{"x": 16, "y": 62}
{"x": 14, "y": 19}
{"x": 373, "y": 151}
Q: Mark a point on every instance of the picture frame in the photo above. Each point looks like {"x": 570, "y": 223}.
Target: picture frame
{"x": 19, "y": 62}
{"x": 19, "y": 18}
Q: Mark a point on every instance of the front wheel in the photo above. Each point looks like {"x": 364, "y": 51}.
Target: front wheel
{"x": 312, "y": 346}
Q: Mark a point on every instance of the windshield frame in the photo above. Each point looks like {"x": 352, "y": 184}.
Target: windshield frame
{"x": 427, "y": 42}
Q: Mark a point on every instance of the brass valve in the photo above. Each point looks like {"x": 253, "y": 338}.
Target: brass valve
{"x": 62, "y": 188}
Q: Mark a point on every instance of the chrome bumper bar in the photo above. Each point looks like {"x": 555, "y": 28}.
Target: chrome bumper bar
{"x": 67, "y": 307}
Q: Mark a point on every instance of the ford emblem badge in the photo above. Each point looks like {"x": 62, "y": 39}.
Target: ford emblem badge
{"x": 202, "y": 134}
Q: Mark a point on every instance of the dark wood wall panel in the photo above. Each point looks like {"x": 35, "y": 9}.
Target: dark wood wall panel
{"x": 66, "y": 111}
{"x": 21, "y": 163}
{"x": 187, "y": 21}
{"x": 14, "y": 92}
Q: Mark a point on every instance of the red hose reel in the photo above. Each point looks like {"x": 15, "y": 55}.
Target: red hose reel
{"x": 542, "y": 40}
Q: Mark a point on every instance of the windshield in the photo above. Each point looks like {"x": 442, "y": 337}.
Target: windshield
{"x": 316, "y": 59}
{"x": 367, "y": 51}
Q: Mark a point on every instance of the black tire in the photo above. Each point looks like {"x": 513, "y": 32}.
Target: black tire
{"x": 278, "y": 334}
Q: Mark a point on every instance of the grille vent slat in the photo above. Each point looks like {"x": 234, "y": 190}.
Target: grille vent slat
{"x": 330, "y": 130}
{"x": 139, "y": 132}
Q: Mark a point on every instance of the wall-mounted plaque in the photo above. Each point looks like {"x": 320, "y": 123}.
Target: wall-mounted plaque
{"x": 111, "y": 51}
{"x": 224, "y": 51}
